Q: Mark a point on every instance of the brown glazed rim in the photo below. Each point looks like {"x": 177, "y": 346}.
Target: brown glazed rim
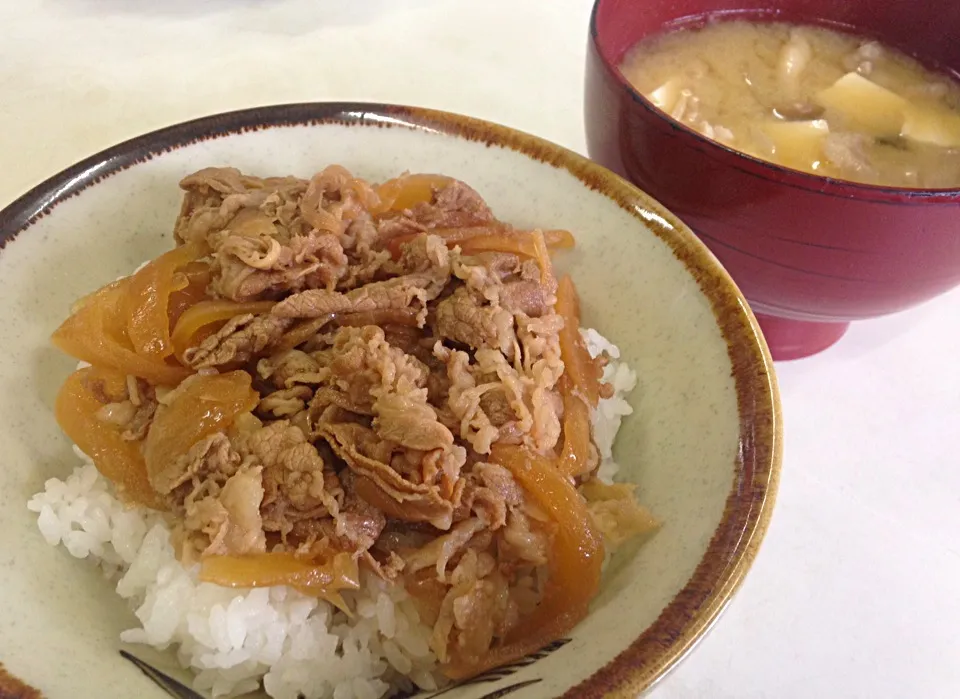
{"x": 757, "y": 467}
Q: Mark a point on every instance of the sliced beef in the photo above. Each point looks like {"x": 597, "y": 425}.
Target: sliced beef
{"x": 388, "y": 567}
{"x": 285, "y": 403}
{"x": 485, "y": 504}
{"x": 397, "y": 293}
{"x": 365, "y": 261}
{"x": 439, "y": 552}
{"x": 214, "y": 196}
{"x": 425, "y": 254}
{"x": 496, "y": 405}
{"x": 366, "y": 351}
{"x": 270, "y": 237}
{"x": 541, "y": 369}
{"x": 250, "y": 268}
{"x": 523, "y": 539}
{"x": 240, "y": 340}
{"x": 210, "y": 461}
{"x": 407, "y": 419}
{"x": 359, "y": 524}
{"x": 136, "y": 428}
{"x": 525, "y": 296}
{"x": 133, "y": 412}
{"x": 468, "y": 320}
{"x": 484, "y": 274}
{"x": 490, "y": 493}
{"x": 334, "y": 197}
{"x": 398, "y": 225}
{"x": 500, "y": 481}
{"x": 229, "y": 523}
{"x": 351, "y": 443}
{"x": 455, "y": 206}
{"x": 475, "y": 614}
{"x": 333, "y": 405}
{"x": 363, "y": 367}
{"x": 500, "y": 265}
{"x": 297, "y": 482}
{"x": 464, "y": 400}
{"x": 289, "y": 368}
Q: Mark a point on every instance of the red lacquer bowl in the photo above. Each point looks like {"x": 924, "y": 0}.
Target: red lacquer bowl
{"x": 811, "y": 254}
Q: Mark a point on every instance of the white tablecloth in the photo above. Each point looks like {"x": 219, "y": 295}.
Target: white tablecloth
{"x": 856, "y": 591}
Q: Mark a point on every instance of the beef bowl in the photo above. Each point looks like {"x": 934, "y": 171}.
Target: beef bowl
{"x": 347, "y": 433}
{"x": 809, "y": 252}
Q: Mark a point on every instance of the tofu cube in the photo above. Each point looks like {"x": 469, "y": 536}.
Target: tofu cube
{"x": 665, "y": 97}
{"x": 932, "y": 123}
{"x": 864, "y": 105}
{"x": 797, "y": 144}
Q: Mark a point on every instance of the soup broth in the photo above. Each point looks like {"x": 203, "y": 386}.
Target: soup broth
{"x": 808, "y": 98}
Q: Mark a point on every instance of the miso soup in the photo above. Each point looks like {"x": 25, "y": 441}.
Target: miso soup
{"x": 808, "y": 98}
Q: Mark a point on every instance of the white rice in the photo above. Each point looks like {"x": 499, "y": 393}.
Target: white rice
{"x": 237, "y": 639}
{"x": 611, "y": 411}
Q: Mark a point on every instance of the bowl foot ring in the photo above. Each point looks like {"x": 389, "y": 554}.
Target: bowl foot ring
{"x": 796, "y": 339}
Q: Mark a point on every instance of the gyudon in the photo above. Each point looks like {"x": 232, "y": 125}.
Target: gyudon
{"x": 349, "y": 434}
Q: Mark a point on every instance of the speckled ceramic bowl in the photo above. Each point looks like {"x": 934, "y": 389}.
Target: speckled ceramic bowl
{"x": 704, "y": 442}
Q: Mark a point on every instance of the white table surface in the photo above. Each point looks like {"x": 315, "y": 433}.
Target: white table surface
{"x": 856, "y": 591}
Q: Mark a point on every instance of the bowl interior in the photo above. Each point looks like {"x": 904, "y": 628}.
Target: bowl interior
{"x": 702, "y": 443}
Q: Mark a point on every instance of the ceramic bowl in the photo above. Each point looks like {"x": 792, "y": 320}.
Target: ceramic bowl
{"x": 704, "y": 442}
{"x": 811, "y": 254}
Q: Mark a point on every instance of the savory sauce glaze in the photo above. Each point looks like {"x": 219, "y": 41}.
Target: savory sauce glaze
{"x": 808, "y": 98}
